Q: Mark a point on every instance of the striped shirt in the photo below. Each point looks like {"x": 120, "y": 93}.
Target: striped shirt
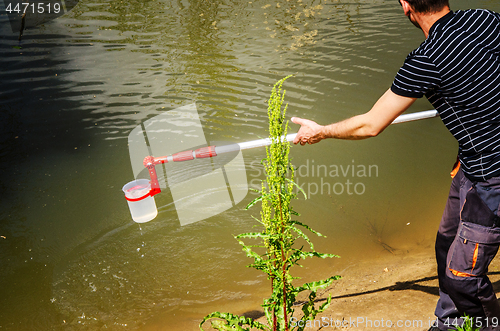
{"x": 458, "y": 69}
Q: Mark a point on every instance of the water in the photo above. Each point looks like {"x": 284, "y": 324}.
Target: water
{"x": 72, "y": 258}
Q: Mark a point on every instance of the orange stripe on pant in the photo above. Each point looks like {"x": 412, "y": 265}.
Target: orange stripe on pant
{"x": 474, "y": 256}
{"x": 456, "y": 167}
{"x": 461, "y": 274}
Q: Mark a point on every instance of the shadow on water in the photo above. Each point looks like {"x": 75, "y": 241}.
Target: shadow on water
{"x": 45, "y": 126}
{"x": 61, "y": 170}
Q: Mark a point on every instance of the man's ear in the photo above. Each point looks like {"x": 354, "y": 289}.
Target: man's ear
{"x": 406, "y": 7}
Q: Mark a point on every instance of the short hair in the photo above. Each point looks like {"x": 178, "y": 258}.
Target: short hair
{"x": 428, "y": 6}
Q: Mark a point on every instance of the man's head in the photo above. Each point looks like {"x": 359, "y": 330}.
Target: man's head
{"x": 427, "y": 6}
{"x": 419, "y": 12}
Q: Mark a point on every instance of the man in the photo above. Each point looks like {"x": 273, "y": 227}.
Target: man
{"x": 457, "y": 68}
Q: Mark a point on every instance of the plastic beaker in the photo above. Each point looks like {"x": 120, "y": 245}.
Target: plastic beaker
{"x": 142, "y": 206}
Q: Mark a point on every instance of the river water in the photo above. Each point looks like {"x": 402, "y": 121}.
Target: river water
{"x": 73, "y": 89}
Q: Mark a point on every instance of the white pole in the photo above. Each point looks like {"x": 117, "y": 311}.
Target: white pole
{"x": 421, "y": 115}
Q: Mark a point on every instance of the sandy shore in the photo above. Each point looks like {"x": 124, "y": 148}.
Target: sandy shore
{"x": 395, "y": 293}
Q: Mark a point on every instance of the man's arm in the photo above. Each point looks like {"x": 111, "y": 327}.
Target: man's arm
{"x": 370, "y": 124}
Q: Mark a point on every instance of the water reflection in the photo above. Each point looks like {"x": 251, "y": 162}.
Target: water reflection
{"x": 77, "y": 86}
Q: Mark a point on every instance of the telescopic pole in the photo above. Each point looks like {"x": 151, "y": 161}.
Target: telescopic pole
{"x": 211, "y": 151}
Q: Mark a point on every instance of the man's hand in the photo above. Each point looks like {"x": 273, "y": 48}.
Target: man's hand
{"x": 310, "y": 132}
{"x": 370, "y": 124}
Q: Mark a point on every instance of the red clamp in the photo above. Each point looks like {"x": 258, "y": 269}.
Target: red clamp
{"x": 150, "y": 162}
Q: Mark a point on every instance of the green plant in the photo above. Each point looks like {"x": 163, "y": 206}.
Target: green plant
{"x": 278, "y": 250}
{"x": 468, "y": 325}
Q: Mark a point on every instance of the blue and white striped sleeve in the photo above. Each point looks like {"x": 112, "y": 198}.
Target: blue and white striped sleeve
{"x": 416, "y": 77}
